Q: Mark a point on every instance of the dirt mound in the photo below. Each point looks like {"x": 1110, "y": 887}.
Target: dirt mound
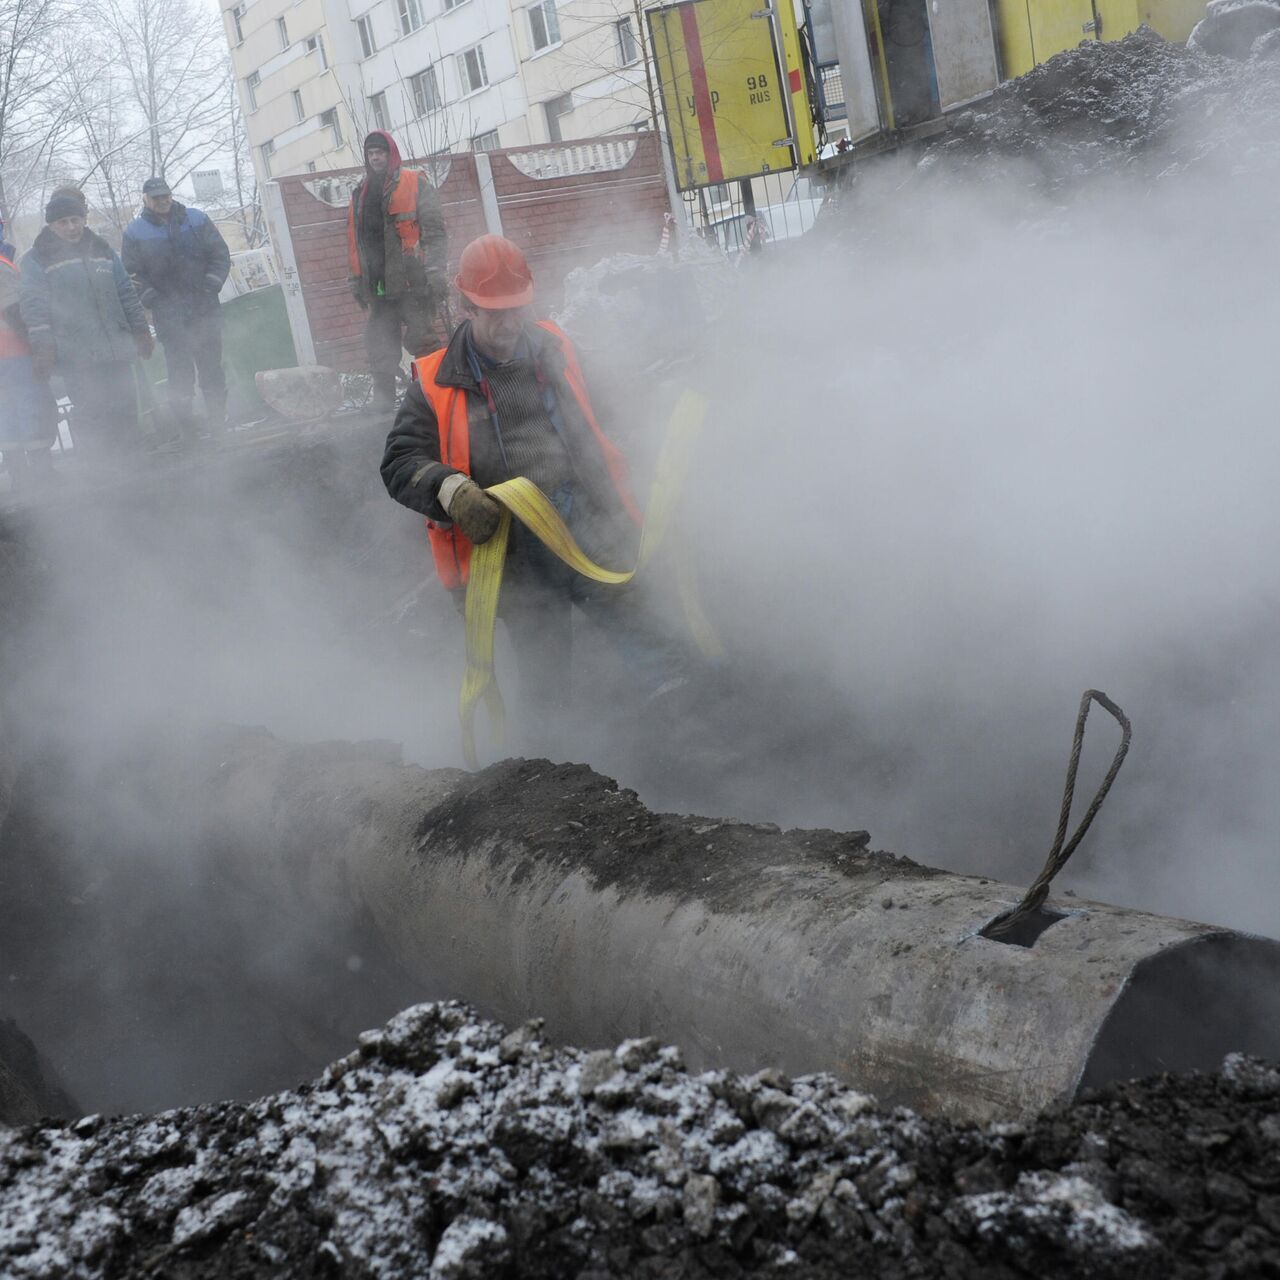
{"x": 446, "y": 1147}
{"x": 28, "y": 1087}
{"x": 1138, "y": 104}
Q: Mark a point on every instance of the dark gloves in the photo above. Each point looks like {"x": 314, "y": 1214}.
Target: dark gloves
{"x": 474, "y": 512}
{"x": 358, "y": 292}
{"x": 145, "y": 343}
{"x": 42, "y": 364}
{"x": 213, "y": 283}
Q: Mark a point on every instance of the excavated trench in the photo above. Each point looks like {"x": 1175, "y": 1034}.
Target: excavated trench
{"x": 192, "y": 912}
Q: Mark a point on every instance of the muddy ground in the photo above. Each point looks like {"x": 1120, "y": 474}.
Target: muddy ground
{"x": 447, "y": 1146}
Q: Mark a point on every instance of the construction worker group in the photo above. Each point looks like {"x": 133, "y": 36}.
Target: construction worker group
{"x": 75, "y": 308}
{"x": 501, "y": 396}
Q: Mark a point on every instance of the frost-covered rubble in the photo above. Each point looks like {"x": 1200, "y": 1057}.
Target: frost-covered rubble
{"x": 448, "y": 1147}
{"x": 1140, "y": 105}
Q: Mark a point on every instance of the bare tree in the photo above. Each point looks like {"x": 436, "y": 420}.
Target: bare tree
{"x": 172, "y": 64}
{"x": 31, "y": 119}
{"x": 242, "y": 202}
{"x": 110, "y": 146}
{"x": 608, "y": 41}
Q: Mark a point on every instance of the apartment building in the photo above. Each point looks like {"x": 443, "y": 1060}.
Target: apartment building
{"x": 294, "y": 65}
{"x": 442, "y": 75}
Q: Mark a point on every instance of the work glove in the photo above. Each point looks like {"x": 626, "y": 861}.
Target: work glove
{"x": 145, "y": 343}
{"x": 474, "y": 512}
{"x": 213, "y": 283}
{"x": 359, "y": 294}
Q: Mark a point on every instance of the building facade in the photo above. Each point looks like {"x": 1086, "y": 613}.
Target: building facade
{"x": 315, "y": 76}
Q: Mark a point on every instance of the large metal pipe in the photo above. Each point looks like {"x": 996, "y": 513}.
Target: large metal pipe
{"x": 534, "y": 889}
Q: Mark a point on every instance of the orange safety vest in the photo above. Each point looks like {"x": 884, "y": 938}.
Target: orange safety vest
{"x": 449, "y": 547}
{"x": 403, "y": 208}
{"x": 12, "y": 342}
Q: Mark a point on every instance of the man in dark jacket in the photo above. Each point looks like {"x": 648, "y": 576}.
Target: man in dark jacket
{"x": 179, "y": 261}
{"x": 84, "y": 320}
{"x": 507, "y": 398}
{"x": 398, "y": 253}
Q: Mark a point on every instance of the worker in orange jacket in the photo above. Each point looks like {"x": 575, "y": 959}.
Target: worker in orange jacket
{"x": 507, "y": 398}
{"x": 398, "y": 253}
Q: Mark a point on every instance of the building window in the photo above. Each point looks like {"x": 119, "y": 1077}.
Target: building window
{"x": 315, "y": 44}
{"x": 368, "y": 45}
{"x": 237, "y": 16}
{"x": 555, "y": 109}
{"x": 311, "y": 166}
{"x": 453, "y": 4}
{"x": 283, "y": 32}
{"x": 628, "y": 45}
{"x": 251, "y": 83}
{"x": 410, "y": 15}
{"x": 329, "y": 120}
{"x": 299, "y": 112}
{"x": 471, "y": 70}
{"x": 378, "y": 110}
{"x": 486, "y": 141}
{"x": 267, "y": 150}
{"x": 426, "y": 91}
{"x": 718, "y": 193}
{"x": 544, "y": 25}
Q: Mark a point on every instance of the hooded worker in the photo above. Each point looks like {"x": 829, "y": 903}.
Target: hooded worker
{"x": 398, "y": 252}
{"x": 507, "y": 398}
{"x": 179, "y": 262}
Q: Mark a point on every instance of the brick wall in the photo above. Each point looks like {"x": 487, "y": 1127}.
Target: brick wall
{"x": 566, "y": 205}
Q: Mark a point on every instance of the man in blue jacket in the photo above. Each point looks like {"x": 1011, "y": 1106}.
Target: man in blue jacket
{"x": 179, "y": 262}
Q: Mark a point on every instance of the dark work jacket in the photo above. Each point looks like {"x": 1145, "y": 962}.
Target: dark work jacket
{"x": 413, "y": 472}
{"x": 179, "y": 264}
{"x": 78, "y": 302}
{"x": 383, "y": 257}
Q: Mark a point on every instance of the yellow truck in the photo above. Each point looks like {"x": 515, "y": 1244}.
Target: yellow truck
{"x": 737, "y": 78}
{"x": 905, "y": 63}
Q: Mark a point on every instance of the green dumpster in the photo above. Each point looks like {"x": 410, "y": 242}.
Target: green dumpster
{"x": 255, "y": 335}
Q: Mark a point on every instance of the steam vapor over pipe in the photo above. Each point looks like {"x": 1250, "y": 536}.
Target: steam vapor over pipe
{"x": 541, "y": 890}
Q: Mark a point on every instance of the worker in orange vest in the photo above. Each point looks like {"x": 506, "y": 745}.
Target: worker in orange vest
{"x": 28, "y": 415}
{"x": 398, "y": 253}
{"x": 507, "y": 398}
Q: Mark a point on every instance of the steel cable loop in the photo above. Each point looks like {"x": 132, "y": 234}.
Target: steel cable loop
{"x": 1062, "y": 848}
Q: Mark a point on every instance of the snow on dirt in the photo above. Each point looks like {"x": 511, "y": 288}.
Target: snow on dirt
{"x": 1140, "y": 106}
{"x": 448, "y": 1147}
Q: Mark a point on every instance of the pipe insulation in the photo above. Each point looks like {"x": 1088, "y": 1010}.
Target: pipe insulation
{"x": 533, "y": 889}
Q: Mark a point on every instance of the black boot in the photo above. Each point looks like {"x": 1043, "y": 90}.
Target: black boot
{"x": 15, "y": 463}
{"x": 215, "y": 411}
{"x": 40, "y": 467}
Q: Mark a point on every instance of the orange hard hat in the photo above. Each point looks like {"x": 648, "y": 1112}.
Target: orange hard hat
{"x": 493, "y": 274}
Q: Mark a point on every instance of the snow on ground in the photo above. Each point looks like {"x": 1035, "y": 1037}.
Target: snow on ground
{"x": 446, "y": 1146}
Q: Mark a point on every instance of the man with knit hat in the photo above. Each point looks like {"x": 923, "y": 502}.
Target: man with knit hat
{"x": 507, "y": 398}
{"x": 179, "y": 262}
{"x": 398, "y": 253}
{"x": 84, "y": 321}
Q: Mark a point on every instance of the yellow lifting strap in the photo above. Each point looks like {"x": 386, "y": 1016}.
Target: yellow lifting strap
{"x": 524, "y": 500}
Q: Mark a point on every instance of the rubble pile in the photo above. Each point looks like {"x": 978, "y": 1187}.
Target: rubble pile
{"x": 448, "y": 1147}
{"x": 1139, "y": 105}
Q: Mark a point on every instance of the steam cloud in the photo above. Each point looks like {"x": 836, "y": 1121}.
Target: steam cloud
{"x": 972, "y": 450}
